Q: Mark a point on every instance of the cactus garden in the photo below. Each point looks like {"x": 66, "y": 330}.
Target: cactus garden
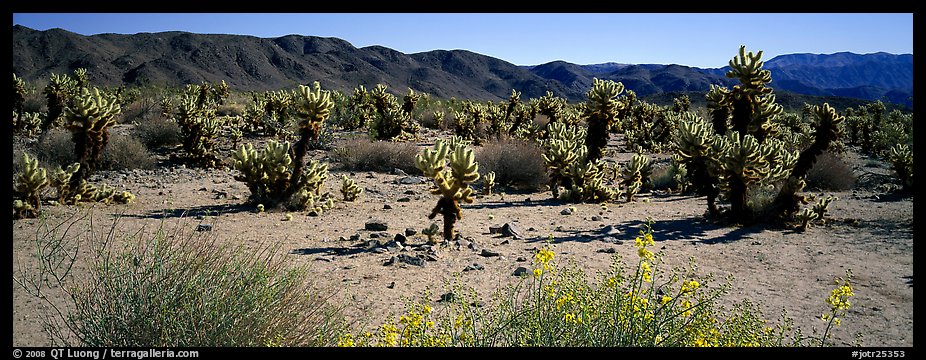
{"x": 610, "y": 221}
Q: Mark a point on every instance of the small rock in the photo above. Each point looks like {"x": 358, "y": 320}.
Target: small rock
{"x": 757, "y": 242}
{"x": 410, "y": 232}
{"x": 488, "y": 253}
{"x": 411, "y": 180}
{"x": 411, "y": 260}
{"x": 511, "y": 229}
{"x": 612, "y": 240}
{"x": 404, "y": 199}
{"x": 520, "y": 271}
{"x": 376, "y": 225}
{"x": 236, "y": 197}
{"x": 355, "y": 237}
{"x": 566, "y": 211}
{"x": 410, "y": 192}
{"x": 387, "y": 207}
{"x": 609, "y": 230}
{"x": 203, "y": 189}
{"x": 506, "y": 242}
{"x": 391, "y": 285}
{"x": 390, "y": 261}
{"x": 400, "y": 238}
{"x": 607, "y": 250}
{"x": 531, "y": 229}
{"x": 399, "y": 172}
{"x": 596, "y": 218}
{"x": 374, "y": 236}
{"x": 474, "y": 266}
{"x": 341, "y": 238}
{"x": 495, "y": 229}
{"x": 380, "y": 250}
{"x": 521, "y": 259}
{"x": 472, "y": 246}
{"x": 431, "y": 257}
{"x": 448, "y": 297}
{"x": 204, "y": 227}
{"x": 323, "y": 259}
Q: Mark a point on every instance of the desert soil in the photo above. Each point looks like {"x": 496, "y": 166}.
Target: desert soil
{"x": 867, "y": 231}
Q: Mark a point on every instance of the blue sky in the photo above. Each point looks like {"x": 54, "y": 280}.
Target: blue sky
{"x": 701, "y": 40}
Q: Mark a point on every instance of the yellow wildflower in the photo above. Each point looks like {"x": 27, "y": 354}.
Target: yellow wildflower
{"x": 346, "y": 340}
{"x": 538, "y": 272}
{"x": 665, "y": 300}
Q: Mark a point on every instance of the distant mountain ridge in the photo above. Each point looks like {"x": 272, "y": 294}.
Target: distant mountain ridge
{"x": 252, "y": 63}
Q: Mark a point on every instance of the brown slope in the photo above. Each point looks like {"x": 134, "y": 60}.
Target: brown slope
{"x": 251, "y": 63}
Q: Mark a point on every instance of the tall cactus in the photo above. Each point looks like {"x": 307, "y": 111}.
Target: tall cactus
{"x": 279, "y": 175}
{"x": 601, "y": 112}
{"x": 453, "y": 183}
{"x": 901, "y": 158}
{"x": 30, "y": 183}
{"x": 634, "y": 176}
{"x": 89, "y": 120}
{"x": 787, "y": 202}
{"x": 58, "y": 92}
{"x": 19, "y": 101}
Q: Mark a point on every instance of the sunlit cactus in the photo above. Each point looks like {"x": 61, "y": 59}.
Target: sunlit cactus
{"x": 27, "y": 124}
{"x": 349, "y": 189}
{"x": 199, "y": 128}
{"x": 488, "y": 182}
{"x": 61, "y": 181}
{"x": 452, "y": 171}
{"x": 81, "y": 79}
{"x": 89, "y": 120}
{"x": 409, "y": 101}
{"x": 268, "y": 171}
{"x": 391, "y": 121}
{"x": 788, "y": 201}
{"x": 601, "y": 112}
{"x": 634, "y": 175}
{"x": 552, "y": 107}
{"x": 29, "y": 185}
{"x": 901, "y": 158}
{"x": 58, "y": 92}
{"x": 562, "y": 148}
{"x": 19, "y": 102}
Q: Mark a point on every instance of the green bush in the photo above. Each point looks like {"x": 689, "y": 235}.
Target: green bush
{"x": 180, "y": 288}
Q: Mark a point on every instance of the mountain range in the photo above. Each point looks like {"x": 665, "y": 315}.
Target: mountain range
{"x": 252, "y": 63}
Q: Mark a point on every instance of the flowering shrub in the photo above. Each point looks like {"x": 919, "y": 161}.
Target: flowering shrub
{"x": 561, "y": 307}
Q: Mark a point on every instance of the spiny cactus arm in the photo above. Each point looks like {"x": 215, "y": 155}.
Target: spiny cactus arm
{"x": 747, "y": 67}
{"x": 314, "y": 106}
{"x": 350, "y": 189}
{"x": 31, "y": 181}
{"x": 432, "y": 161}
{"x": 464, "y": 169}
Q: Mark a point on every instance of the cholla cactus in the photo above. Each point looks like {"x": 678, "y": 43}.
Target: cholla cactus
{"x": 410, "y": 100}
{"x": 488, "y": 182}
{"x": 439, "y": 118}
{"x": 392, "y": 121}
{"x": 61, "y": 181}
{"x": 29, "y": 185}
{"x": 27, "y": 124}
{"x": 350, "y": 189}
{"x": 430, "y": 231}
{"x": 19, "y": 102}
{"x": 267, "y": 172}
{"x": 635, "y": 175}
{"x": 552, "y": 107}
{"x": 58, "y": 92}
{"x": 901, "y": 159}
{"x": 562, "y": 149}
{"x": 788, "y": 200}
{"x": 89, "y": 120}
{"x": 199, "y": 127}
{"x": 601, "y": 112}
{"x": 816, "y": 213}
{"x": 453, "y": 183}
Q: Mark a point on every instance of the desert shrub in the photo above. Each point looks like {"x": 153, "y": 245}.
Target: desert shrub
{"x": 665, "y": 177}
{"x": 158, "y": 132}
{"x": 229, "y": 110}
{"x": 645, "y": 306}
{"x": 380, "y": 156}
{"x": 125, "y": 152}
{"x": 56, "y": 148}
{"x": 515, "y": 163}
{"x": 174, "y": 288}
{"x": 830, "y": 173}
{"x": 140, "y": 111}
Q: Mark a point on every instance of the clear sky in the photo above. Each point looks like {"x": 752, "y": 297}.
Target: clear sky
{"x": 693, "y": 39}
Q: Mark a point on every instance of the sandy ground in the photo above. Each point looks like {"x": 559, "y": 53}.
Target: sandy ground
{"x": 867, "y": 232}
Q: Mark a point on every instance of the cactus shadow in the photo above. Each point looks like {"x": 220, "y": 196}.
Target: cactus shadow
{"x": 205, "y": 210}
{"x": 337, "y": 251}
{"x": 505, "y": 204}
{"x": 696, "y": 229}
